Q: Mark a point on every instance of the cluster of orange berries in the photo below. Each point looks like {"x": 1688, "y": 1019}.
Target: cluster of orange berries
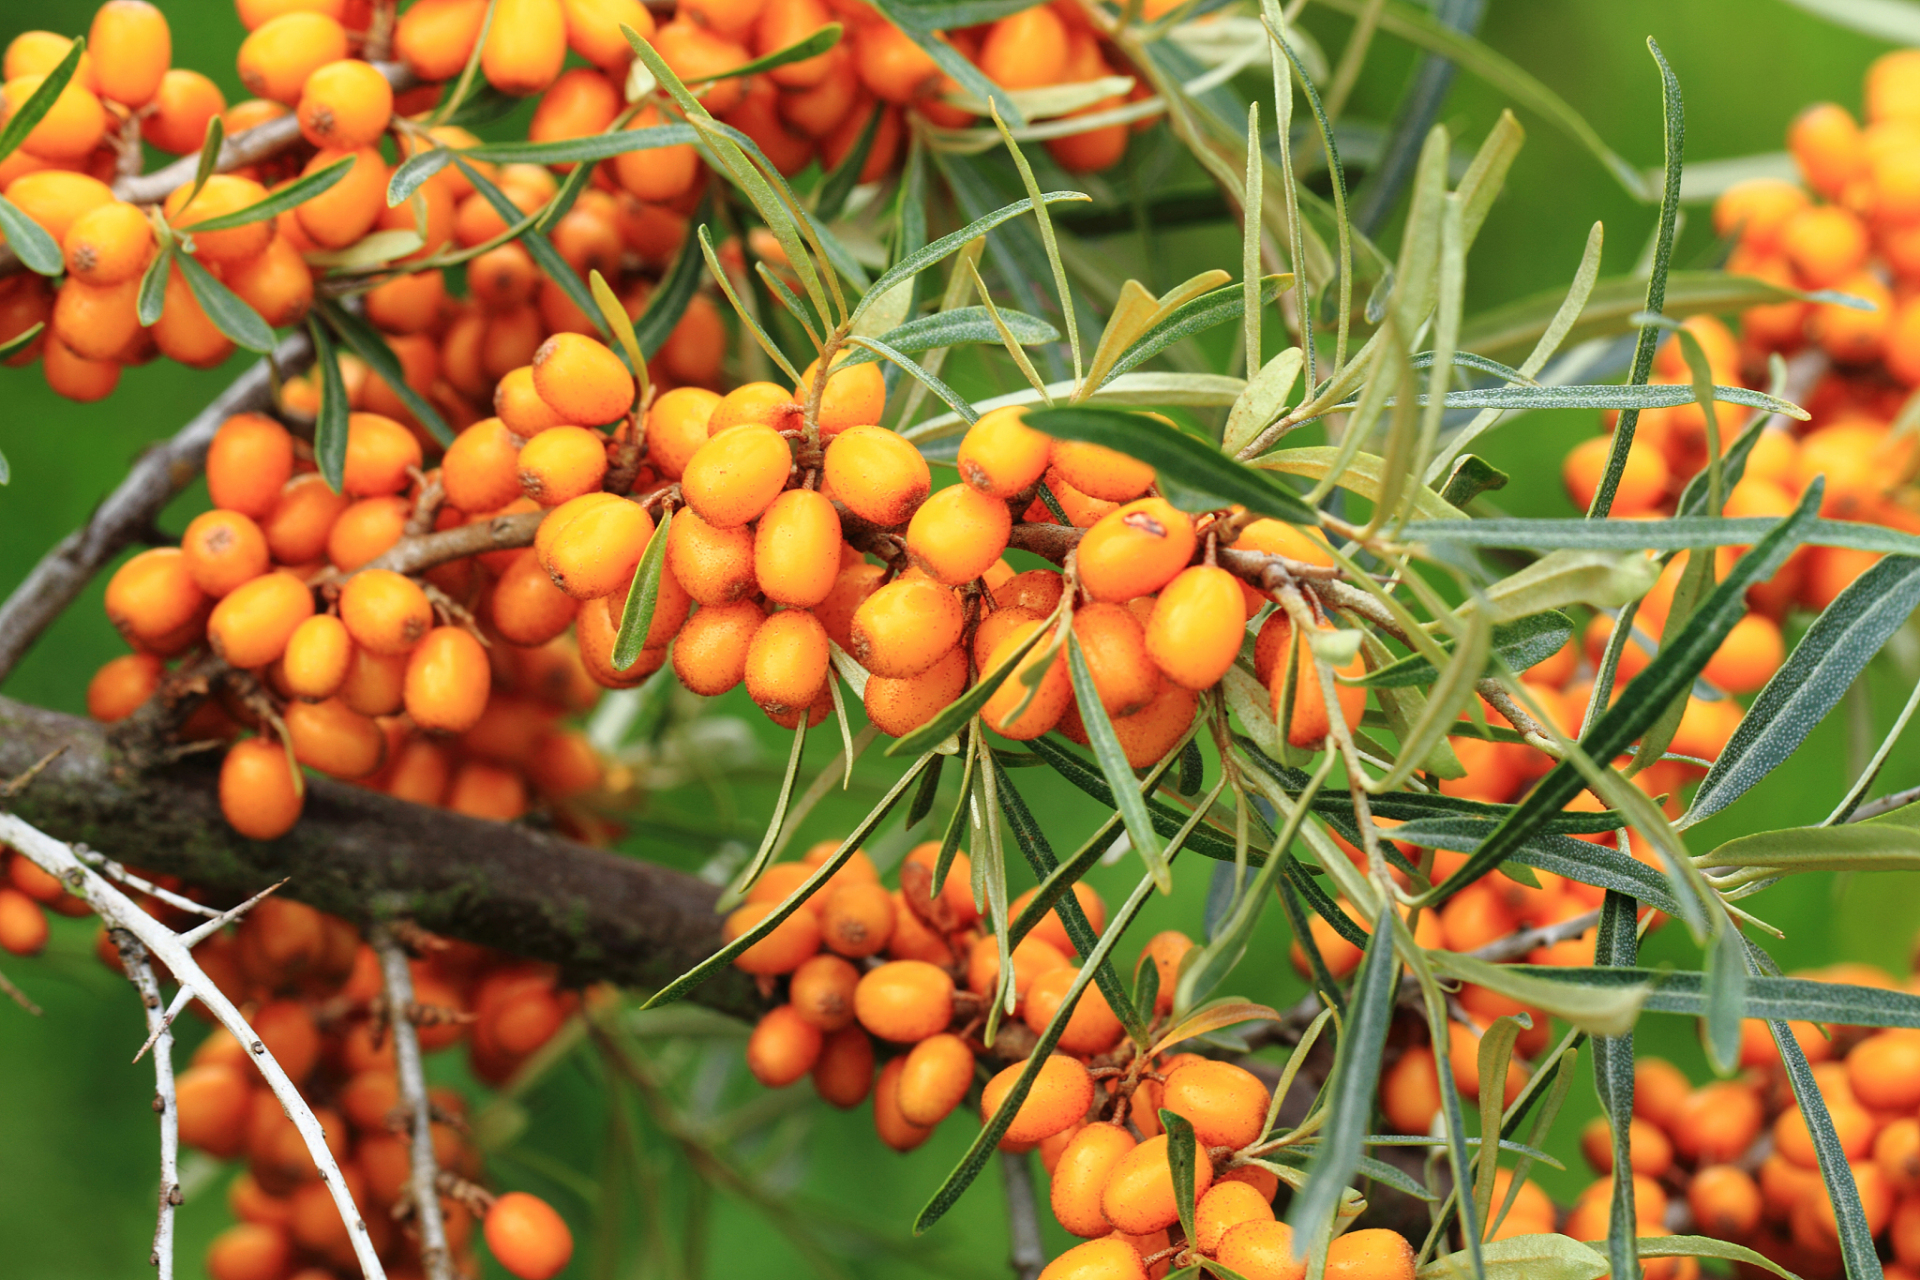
{"x": 1734, "y": 1158}
{"x": 445, "y": 688}
{"x": 906, "y": 974}
{"x": 312, "y": 991}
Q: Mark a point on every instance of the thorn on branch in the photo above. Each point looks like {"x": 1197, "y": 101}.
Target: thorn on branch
{"x": 25, "y": 779}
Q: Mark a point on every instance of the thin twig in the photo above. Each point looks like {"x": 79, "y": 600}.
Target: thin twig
{"x": 1028, "y": 1253}
{"x": 16, "y": 785}
{"x": 114, "y": 871}
{"x": 118, "y": 911}
{"x": 18, "y": 996}
{"x": 133, "y": 958}
{"x": 435, "y": 1260}
{"x": 1885, "y": 804}
{"x": 202, "y": 932}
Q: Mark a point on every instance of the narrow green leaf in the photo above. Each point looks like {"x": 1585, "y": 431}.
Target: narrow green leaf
{"x": 1892, "y": 20}
{"x": 20, "y": 123}
{"x": 811, "y": 46}
{"x": 959, "y": 327}
{"x": 1606, "y": 395}
{"x": 291, "y": 196}
{"x": 1196, "y": 316}
{"x": 330, "y": 429}
{"x": 230, "y": 315}
{"x": 209, "y": 155}
{"x": 913, "y": 368}
{"x": 153, "y": 285}
{"x": 1617, "y": 944}
{"x": 21, "y": 341}
{"x": 1113, "y": 762}
{"x": 1353, "y": 1082}
{"x": 636, "y": 618}
{"x": 412, "y": 173}
{"x": 1726, "y": 998}
{"x": 1208, "y": 477}
{"x": 1472, "y": 476}
{"x": 371, "y": 346}
{"x": 621, "y": 326}
{"x": 536, "y": 244}
{"x": 914, "y": 263}
{"x": 1811, "y": 682}
{"x": 1520, "y": 644}
{"x": 37, "y": 250}
{"x": 1495, "y": 1053}
{"x": 1529, "y": 1257}
{"x": 687, "y": 981}
{"x": 1676, "y": 534}
{"x": 6, "y": 477}
{"x": 1708, "y": 1246}
{"x": 1607, "y": 1010}
{"x": 1180, "y": 1158}
{"x": 1255, "y": 199}
{"x": 770, "y": 839}
{"x": 926, "y": 793}
{"x": 967, "y": 705}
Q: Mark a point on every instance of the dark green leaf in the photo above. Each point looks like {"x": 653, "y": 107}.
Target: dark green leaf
{"x": 1196, "y": 316}
{"x": 330, "y": 429}
{"x": 153, "y": 285}
{"x": 1676, "y": 534}
{"x": 706, "y": 969}
{"x": 210, "y": 145}
{"x": 926, "y": 793}
{"x": 1181, "y": 1151}
{"x": 1472, "y": 476}
{"x": 21, "y": 341}
{"x": 1353, "y": 1082}
{"x": 371, "y": 346}
{"x": 1672, "y": 671}
{"x": 1113, "y": 763}
{"x": 1520, "y": 644}
{"x": 1815, "y": 676}
{"x": 37, "y": 250}
{"x": 957, "y": 327}
{"x": 483, "y": 106}
{"x": 20, "y": 123}
{"x": 913, "y": 264}
{"x": 288, "y": 197}
{"x": 1616, "y": 944}
{"x": 1208, "y": 477}
{"x": 230, "y": 315}
{"x": 636, "y": 619}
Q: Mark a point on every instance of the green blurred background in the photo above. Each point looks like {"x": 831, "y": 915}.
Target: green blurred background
{"x": 77, "y": 1164}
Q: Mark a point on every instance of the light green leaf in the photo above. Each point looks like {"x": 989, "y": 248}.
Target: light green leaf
{"x": 1532, "y": 1257}
{"x": 37, "y": 250}
{"x": 230, "y": 315}
{"x": 291, "y": 196}
{"x": 1363, "y": 474}
{"x": 1602, "y": 1009}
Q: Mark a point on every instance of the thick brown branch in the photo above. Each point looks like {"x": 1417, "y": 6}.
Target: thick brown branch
{"x": 361, "y": 855}
{"x": 130, "y": 510}
{"x": 502, "y": 533}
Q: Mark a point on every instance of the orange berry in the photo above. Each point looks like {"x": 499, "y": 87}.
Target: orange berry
{"x": 527, "y": 1237}
{"x": 934, "y": 1079}
{"x": 380, "y": 454}
{"x": 735, "y": 476}
{"x": 1227, "y": 1105}
{"x": 385, "y": 612}
{"x": 582, "y": 380}
{"x": 364, "y": 531}
{"x": 1371, "y": 1254}
{"x": 877, "y": 475}
{"x": 904, "y": 1001}
{"x": 130, "y": 46}
{"x": 677, "y": 426}
{"x": 447, "y": 680}
{"x": 1827, "y": 144}
{"x": 248, "y": 464}
{"x": 710, "y": 654}
{"x": 1139, "y": 1198}
{"x": 278, "y": 56}
{"x": 527, "y": 608}
{"x": 55, "y": 198}
{"x": 1725, "y": 1201}
{"x": 594, "y": 549}
{"x": 525, "y": 47}
{"x": 1225, "y": 1206}
{"x": 1052, "y": 689}
{"x": 898, "y": 707}
{"x": 1135, "y": 550}
{"x": 957, "y": 534}
{"x": 346, "y": 211}
{"x": 318, "y": 654}
{"x": 1197, "y": 625}
{"x": 259, "y": 792}
{"x": 905, "y": 627}
{"x": 857, "y": 919}
{"x": 335, "y": 739}
{"x": 1057, "y": 1099}
{"x": 1825, "y": 244}
{"x": 108, "y": 245}
{"x": 844, "y": 1073}
{"x": 122, "y": 685}
{"x": 374, "y": 685}
{"x": 821, "y": 990}
{"x": 561, "y": 464}
{"x": 1718, "y": 1122}
{"x": 593, "y": 30}
{"x": 854, "y": 396}
{"x": 70, "y": 129}
{"x": 481, "y": 468}
{"x": 250, "y": 1251}
{"x": 796, "y": 549}
{"x": 1082, "y": 1172}
{"x": 1092, "y": 1027}
{"x": 892, "y": 65}
{"x": 786, "y": 665}
{"x": 251, "y": 625}
{"x": 23, "y": 926}
{"x": 783, "y": 1047}
{"x": 345, "y": 105}
{"x": 1298, "y": 696}
{"x": 1100, "y": 472}
{"x": 1000, "y": 455}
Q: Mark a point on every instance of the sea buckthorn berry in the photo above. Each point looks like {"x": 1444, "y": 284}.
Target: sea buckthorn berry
{"x": 786, "y": 667}
{"x": 70, "y": 129}
{"x": 1852, "y": 1125}
{"x": 1261, "y": 1250}
{"x": 1828, "y": 146}
{"x": 1225, "y": 1206}
{"x": 593, "y": 30}
{"x": 318, "y": 654}
{"x": 821, "y": 991}
{"x": 1026, "y": 50}
{"x": 656, "y": 174}
{"x": 1036, "y": 589}
{"x": 108, "y": 245}
{"x": 385, "y": 612}
{"x": 1825, "y": 243}
{"x": 250, "y": 1251}
{"x": 482, "y": 790}
{"x": 335, "y": 739}
{"x": 525, "y": 46}
{"x": 380, "y": 453}
{"x": 784, "y": 949}
{"x": 528, "y": 609}
{"x": 1139, "y": 1199}
{"x": 892, "y": 65}
{"x": 1083, "y": 1170}
{"x": 1092, "y": 1027}
{"x": 481, "y": 468}
{"x": 904, "y": 1001}
{"x": 1058, "y": 1099}
{"x": 995, "y": 627}
{"x": 765, "y": 404}
{"x": 345, "y": 105}
{"x": 1166, "y": 950}
{"x": 935, "y": 1078}
{"x": 251, "y": 625}
{"x": 710, "y": 654}
{"x": 39, "y": 52}
{"x": 130, "y": 46}
{"x": 850, "y": 590}
{"x": 248, "y": 464}
{"x": 1197, "y": 625}
{"x": 447, "y": 680}
{"x": 856, "y": 919}
{"x": 561, "y": 463}
{"x": 1052, "y": 930}
{"x": 1884, "y": 1070}
{"x": 259, "y": 792}
{"x": 582, "y": 380}
{"x": 278, "y": 56}
{"x": 1297, "y": 693}
{"x": 1660, "y": 1089}
{"x": 278, "y": 284}
{"x": 783, "y": 1047}
{"x": 1725, "y": 1201}
{"x": 905, "y": 627}
{"x": 526, "y": 1236}
{"x": 122, "y": 685}
{"x": 223, "y": 549}
{"x": 375, "y": 685}
{"x": 844, "y": 1073}
{"x": 364, "y": 531}
{"x": 212, "y": 1106}
{"x": 1718, "y": 1123}
{"x": 1052, "y": 689}
{"x": 879, "y": 476}
{"x": 436, "y": 37}
{"x": 1000, "y": 455}
{"x": 23, "y": 926}
{"x": 1227, "y": 1105}
{"x": 716, "y": 566}
{"x": 1135, "y": 550}
{"x": 519, "y": 405}
{"x": 346, "y": 211}
{"x": 96, "y": 323}
{"x": 1371, "y": 1254}
{"x": 595, "y": 553}
{"x": 1031, "y": 957}
{"x": 181, "y": 109}
{"x": 957, "y": 534}
{"x": 796, "y": 549}
{"x": 894, "y": 1128}
{"x": 735, "y": 476}
{"x": 1100, "y": 472}
{"x": 898, "y": 707}
{"x": 1113, "y": 1258}
{"x": 854, "y": 396}
{"x": 677, "y": 426}
{"x": 55, "y": 198}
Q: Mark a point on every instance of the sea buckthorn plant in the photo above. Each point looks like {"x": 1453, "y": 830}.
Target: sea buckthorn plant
{"x": 697, "y": 382}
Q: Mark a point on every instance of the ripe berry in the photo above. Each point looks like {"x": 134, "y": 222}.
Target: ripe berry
{"x": 447, "y": 680}
{"x": 783, "y": 950}
{"x": 152, "y": 597}
{"x": 108, "y": 245}
{"x": 1082, "y": 1172}
{"x": 1371, "y": 1254}
{"x": 905, "y": 627}
{"x": 1100, "y": 472}
{"x": 122, "y": 685}
{"x": 527, "y": 608}
{"x": 23, "y": 926}
{"x": 1058, "y": 1098}
{"x": 893, "y": 1127}
{"x": 879, "y": 476}
{"x": 380, "y": 454}
{"x": 904, "y": 1001}
{"x": 593, "y": 551}
{"x": 1195, "y": 632}
{"x": 251, "y": 625}
{"x": 736, "y": 475}
{"x": 1225, "y": 1206}
{"x": 345, "y": 105}
{"x": 783, "y": 1047}
{"x": 957, "y": 534}
{"x": 259, "y": 792}
{"x": 562, "y": 463}
{"x": 898, "y": 707}
{"x": 821, "y": 990}
{"x": 854, "y": 396}
{"x": 583, "y": 381}
{"x": 1135, "y": 550}
{"x": 787, "y": 659}
{"x": 346, "y": 211}
{"x": 526, "y": 1236}
{"x": 935, "y": 1078}
{"x": 1227, "y": 1105}
{"x": 335, "y": 739}
{"x": 1052, "y": 689}
{"x": 365, "y": 531}
{"x": 796, "y": 549}
{"x": 481, "y": 468}
{"x": 1000, "y": 455}
{"x": 710, "y": 654}
{"x": 844, "y": 1073}
{"x": 1092, "y": 1028}
{"x": 250, "y": 1251}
